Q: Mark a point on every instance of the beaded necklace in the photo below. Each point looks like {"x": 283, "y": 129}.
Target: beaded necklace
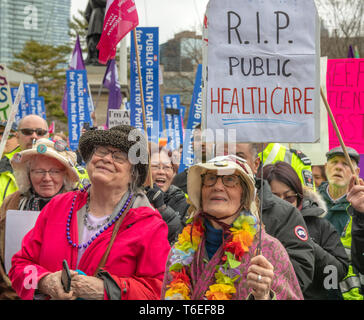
{"x": 228, "y": 273}
{"x": 104, "y": 228}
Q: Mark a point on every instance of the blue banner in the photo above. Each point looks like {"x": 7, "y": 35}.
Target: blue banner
{"x": 173, "y": 121}
{"x": 22, "y": 108}
{"x": 148, "y": 46}
{"x": 194, "y": 119}
{"x": 31, "y": 91}
{"x": 40, "y": 107}
{"x": 77, "y": 104}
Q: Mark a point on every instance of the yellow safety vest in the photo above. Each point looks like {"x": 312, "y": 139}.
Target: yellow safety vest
{"x": 350, "y": 286}
{"x": 300, "y": 163}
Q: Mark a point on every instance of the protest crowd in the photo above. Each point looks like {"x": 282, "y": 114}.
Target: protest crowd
{"x": 115, "y": 212}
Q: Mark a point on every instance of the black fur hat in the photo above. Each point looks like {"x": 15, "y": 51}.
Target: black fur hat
{"x": 122, "y": 137}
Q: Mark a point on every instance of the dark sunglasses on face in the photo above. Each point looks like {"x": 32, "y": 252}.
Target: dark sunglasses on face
{"x": 28, "y": 132}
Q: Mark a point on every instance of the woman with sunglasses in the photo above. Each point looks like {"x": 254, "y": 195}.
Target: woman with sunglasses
{"x": 223, "y": 254}
{"x": 41, "y": 173}
{"x": 328, "y": 249}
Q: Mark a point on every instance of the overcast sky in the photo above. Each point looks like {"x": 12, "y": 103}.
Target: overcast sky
{"x": 171, "y": 16}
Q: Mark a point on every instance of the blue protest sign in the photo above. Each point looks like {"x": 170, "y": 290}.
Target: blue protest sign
{"x": 173, "y": 122}
{"x": 31, "y": 91}
{"x": 22, "y": 109}
{"x": 77, "y": 104}
{"x": 194, "y": 119}
{"x": 40, "y": 107}
{"x": 148, "y": 46}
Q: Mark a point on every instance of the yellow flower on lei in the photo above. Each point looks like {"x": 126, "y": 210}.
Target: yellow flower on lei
{"x": 220, "y": 292}
{"x": 178, "y": 291}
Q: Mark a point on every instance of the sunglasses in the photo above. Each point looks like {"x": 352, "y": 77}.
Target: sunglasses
{"x": 210, "y": 179}
{"x": 28, "y": 132}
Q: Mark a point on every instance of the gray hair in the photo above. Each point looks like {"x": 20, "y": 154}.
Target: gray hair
{"x": 22, "y": 177}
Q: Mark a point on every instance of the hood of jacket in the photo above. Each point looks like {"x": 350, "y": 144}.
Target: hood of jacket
{"x": 313, "y": 204}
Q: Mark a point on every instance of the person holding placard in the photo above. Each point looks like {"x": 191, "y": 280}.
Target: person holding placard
{"x": 329, "y": 252}
{"x": 41, "y": 173}
{"x": 115, "y": 243}
{"x": 216, "y": 255}
{"x": 334, "y": 192}
{"x": 281, "y": 220}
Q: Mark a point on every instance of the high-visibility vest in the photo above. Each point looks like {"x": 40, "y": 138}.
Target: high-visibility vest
{"x": 351, "y": 285}
{"x": 300, "y": 162}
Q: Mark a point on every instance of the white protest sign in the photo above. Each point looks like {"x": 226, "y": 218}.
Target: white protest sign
{"x": 11, "y": 119}
{"x": 263, "y": 70}
{"x": 118, "y": 117}
{"x": 5, "y": 94}
{"x": 18, "y": 224}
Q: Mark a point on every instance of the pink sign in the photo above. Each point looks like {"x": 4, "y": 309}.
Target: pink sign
{"x": 345, "y": 95}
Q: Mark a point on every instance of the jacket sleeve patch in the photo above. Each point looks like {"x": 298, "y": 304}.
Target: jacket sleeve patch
{"x": 301, "y": 233}
{"x": 307, "y": 178}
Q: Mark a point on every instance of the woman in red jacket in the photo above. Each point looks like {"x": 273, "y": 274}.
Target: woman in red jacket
{"x": 79, "y": 227}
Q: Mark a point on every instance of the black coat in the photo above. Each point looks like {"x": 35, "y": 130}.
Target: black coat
{"x": 285, "y": 222}
{"x": 357, "y": 240}
{"x": 175, "y": 212}
{"x": 329, "y": 251}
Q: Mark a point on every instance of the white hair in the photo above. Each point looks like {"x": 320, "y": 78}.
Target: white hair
{"x": 22, "y": 177}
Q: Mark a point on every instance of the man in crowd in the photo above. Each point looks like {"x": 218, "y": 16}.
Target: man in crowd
{"x": 334, "y": 192}
{"x": 29, "y": 128}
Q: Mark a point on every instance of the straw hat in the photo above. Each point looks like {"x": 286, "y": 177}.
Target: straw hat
{"x": 224, "y": 165}
{"x": 57, "y": 150}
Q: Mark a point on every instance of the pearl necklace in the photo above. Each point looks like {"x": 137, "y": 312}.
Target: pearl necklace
{"x": 86, "y": 244}
{"x": 85, "y": 218}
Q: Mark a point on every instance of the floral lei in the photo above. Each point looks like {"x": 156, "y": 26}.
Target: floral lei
{"x": 243, "y": 230}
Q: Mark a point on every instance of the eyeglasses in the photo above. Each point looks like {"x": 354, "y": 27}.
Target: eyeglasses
{"x": 289, "y": 198}
{"x": 28, "y": 132}
{"x": 38, "y": 173}
{"x": 156, "y": 167}
{"x": 118, "y": 156}
{"x": 210, "y": 179}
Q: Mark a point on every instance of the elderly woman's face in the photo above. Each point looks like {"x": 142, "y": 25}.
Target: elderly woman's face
{"x": 110, "y": 167}
{"x": 162, "y": 170}
{"x": 220, "y": 200}
{"x": 46, "y": 175}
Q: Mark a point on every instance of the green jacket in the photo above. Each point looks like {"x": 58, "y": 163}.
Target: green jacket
{"x": 338, "y": 215}
{"x": 337, "y": 210}
{"x": 7, "y": 180}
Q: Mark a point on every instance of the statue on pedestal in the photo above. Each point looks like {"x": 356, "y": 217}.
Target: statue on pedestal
{"x": 94, "y": 14}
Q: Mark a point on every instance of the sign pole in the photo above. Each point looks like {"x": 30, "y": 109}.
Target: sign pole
{"x": 338, "y": 135}
{"x": 143, "y": 107}
{"x": 13, "y": 111}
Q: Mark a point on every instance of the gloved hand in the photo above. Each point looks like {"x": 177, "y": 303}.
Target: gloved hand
{"x": 155, "y": 196}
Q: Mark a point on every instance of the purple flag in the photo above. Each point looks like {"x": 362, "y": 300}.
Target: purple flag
{"x": 351, "y": 52}
{"x": 111, "y": 82}
{"x": 75, "y": 64}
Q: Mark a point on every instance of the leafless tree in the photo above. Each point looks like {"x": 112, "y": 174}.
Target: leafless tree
{"x": 345, "y": 22}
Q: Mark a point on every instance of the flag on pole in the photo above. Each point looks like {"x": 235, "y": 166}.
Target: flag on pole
{"x": 120, "y": 17}
{"x": 52, "y": 128}
{"x": 111, "y": 82}
{"x": 76, "y": 63}
{"x": 350, "y": 52}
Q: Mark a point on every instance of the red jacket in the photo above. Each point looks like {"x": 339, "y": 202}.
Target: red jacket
{"x": 136, "y": 261}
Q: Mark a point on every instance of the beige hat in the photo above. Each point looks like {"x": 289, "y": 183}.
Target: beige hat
{"x": 222, "y": 165}
{"x": 54, "y": 149}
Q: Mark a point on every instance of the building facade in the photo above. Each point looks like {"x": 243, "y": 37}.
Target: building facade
{"x": 45, "y": 21}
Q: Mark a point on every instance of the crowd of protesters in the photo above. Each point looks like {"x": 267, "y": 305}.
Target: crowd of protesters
{"x": 260, "y": 223}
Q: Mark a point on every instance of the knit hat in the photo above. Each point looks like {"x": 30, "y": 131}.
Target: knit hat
{"x": 225, "y": 165}
{"x": 124, "y": 137}
{"x": 53, "y": 149}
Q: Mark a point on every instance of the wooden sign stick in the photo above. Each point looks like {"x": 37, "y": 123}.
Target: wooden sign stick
{"x": 338, "y": 135}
